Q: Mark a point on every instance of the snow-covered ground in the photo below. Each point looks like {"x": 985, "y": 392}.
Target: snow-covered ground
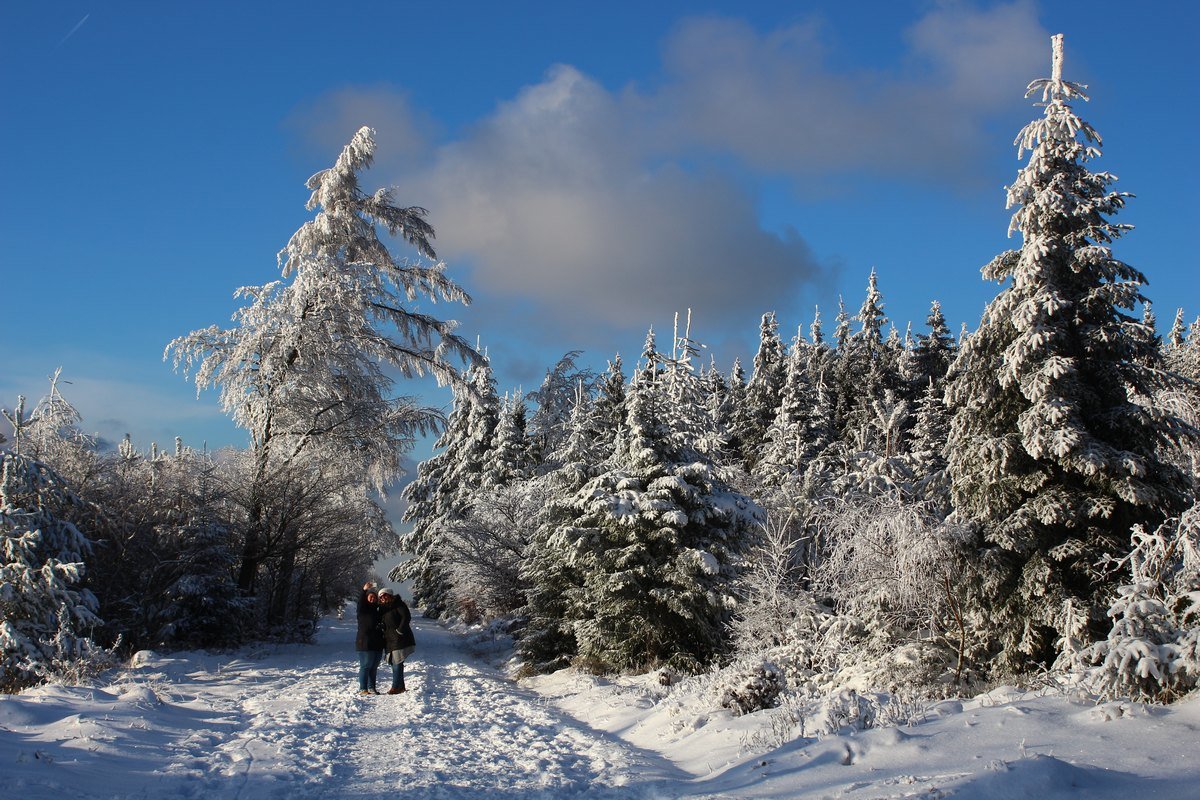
{"x": 287, "y": 722}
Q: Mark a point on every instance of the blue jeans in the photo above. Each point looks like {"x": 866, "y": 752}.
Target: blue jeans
{"x": 368, "y": 668}
{"x": 398, "y": 675}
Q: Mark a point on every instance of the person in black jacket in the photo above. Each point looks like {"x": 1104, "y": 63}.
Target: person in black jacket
{"x": 398, "y": 641}
{"x": 369, "y": 640}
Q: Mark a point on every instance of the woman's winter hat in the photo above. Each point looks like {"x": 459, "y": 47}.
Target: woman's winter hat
{"x": 386, "y": 593}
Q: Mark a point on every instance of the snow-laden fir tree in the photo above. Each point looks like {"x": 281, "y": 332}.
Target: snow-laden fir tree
{"x": 789, "y": 439}
{"x": 510, "y": 459}
{"x": 933, "y": 352}
{"x": 45, "y": 612}
{"x": 585, "y": 442}
{"x": 927, "y": 448}
{"x": 654, "y": 543}
{"x": 554, "y": 400}
{"x": 718, "y": 405}
{"x": 445, "y": 487}
{"x": 763, "y": 390}
{"x": 691, "y": 419}
{"x": 547, "y": 571}
{"x": 1178, "y": 331}
{"x": 1049, "y": 451}
{"x": 610, "y": 398}
{"x": 739, "y": 422}
{"x": 820, "y": 355}
{"x": 867, "y": 370}
{"x": 1182, "y": 351}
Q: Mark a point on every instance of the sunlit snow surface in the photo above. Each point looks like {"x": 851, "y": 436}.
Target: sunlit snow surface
{"x": 286, "y": 722}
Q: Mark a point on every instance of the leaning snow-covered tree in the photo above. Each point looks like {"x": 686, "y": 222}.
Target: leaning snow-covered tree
{"x": 307, "y": 368}
{"x": 1051, "y": 451}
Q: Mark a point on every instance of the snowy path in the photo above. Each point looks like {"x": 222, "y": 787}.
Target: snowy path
{"x": 287, "y": 722}
{"x": 463, "y": 731}
{"x": 293, "y": 726}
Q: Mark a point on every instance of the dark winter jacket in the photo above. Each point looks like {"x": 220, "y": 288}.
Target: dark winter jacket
{"x": 397, "y": 633}
{"x": 370, "y": 633}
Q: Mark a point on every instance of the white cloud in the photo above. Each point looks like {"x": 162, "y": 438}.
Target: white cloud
{"x": 551, "y": 199}
{"x": 774, "y": 101}
{"x": 579, "y": 210}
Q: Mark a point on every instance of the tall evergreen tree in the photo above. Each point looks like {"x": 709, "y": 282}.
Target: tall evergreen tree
{"x": 1178, "y": 332}
{"x": 934, "y": 351}
{"x": 610, "y": 399}
{"x": 653, "y": 544}
{"x": 789, "y": 439}
{"x": 763, "y": 390}
{"x": 1048, "y": 452}
{"x": 510, "y": 458}
{"x": 443, "y": 491}
{"x": 740, "y": 422}
{"x": 868, "y": 369}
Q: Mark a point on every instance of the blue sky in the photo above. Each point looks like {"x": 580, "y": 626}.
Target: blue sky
{"x": 589, "y": 168}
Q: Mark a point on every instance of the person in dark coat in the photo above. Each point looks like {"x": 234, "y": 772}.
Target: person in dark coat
{"x": 368, "y": 642}
{"x": 398, "y": 640}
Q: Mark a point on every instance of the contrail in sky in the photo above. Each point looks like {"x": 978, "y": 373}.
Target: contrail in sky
{"x": 78, "y": 25}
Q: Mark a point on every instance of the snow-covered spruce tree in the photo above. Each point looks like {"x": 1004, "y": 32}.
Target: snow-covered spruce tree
{"x": 820, "y": 357}
{"x": 927, "y": 448}
{"x": 554, "y": 400}
{"x": 789, "y": 439}
{"x": 738, "y": 415}
{"x": 719, "y": 407}
{"x": 763, "y": 390}
{"x": 306, "y": 369}
{"x": 510, "y": 459}
{"x": 610, "y": 399}
{"x": 1182, "y": 357}
{"x": 933, "y": 352}
{"x": 444, "y": 489}
{"x": 45, "y": 613}
{"x": 830, "y": 460}
{"x": 547, "y": 571}
{"x": 691, "y": 420}
{"x": 656, "y": 541}
{"x": 1049, "y": 453}
{"x": 868, "y": 375}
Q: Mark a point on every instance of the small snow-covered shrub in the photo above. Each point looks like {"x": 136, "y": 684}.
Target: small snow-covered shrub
{"x": 787, "y": 723}
{"x": 846, "y": 711}
{"x": 889, "y": 576}
{"x": 74, "y": 659}
{"x": 753, "y": 689}
{"x": 1152, "y": 652}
